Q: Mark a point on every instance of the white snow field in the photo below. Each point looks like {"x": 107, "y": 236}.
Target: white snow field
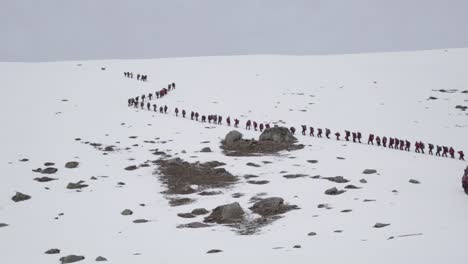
{"x": 386, "y": 94}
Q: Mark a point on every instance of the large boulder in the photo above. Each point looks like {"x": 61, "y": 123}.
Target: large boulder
{"x": 19, "y": 197}
{"x": 228, "y": 213}
{"x": 269, "y": 206}
{"x": 278, "y": 134}
{"x": 232, "y": 137}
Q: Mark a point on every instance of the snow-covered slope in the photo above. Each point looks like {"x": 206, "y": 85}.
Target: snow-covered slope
{"x": 46, "y": 106}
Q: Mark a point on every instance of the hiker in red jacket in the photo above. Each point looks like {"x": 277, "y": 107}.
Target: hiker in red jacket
{"x": 347, "y": 134}
{"x": 311, "y": 131}
{"x": 462, "y": 156}
{"x": 452, "y": 152}
{"x": 417, "y": 147}
{"x": 337, "y": 134}
{"x": 304, "y": 129}
{"x": 248, "y": 124}
{"x": 371, "y": 139}
{"x": 293, "y": 130}
{"x": 261, "y": 127}
{"x": 327, "y": 132}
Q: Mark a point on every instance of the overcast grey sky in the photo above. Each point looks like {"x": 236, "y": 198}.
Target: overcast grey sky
{"x": 48, "y": 30}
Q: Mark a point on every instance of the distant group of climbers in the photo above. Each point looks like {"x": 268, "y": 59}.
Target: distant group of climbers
{"x": 135, "y": 102}
{"x": 140, "y": 77}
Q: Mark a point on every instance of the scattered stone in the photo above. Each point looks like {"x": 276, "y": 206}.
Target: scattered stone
{"x": 48, "y": 164}
{"x": 369, "y": 200}
{"x": 71, "y": 259}
{"x": 232, "y": 137}
{"x": 71, "y": 164}
{"x": 209, "y": 193}
{"x": 252, "y": 165}
{"x": 363, "y": 181}
{"x": 271, "y": 206}
{"x": 214, "y": 164}
{"x": 49, "y": 170}
{"x": 186, "y": 215}
{"x": 337, "y": 179}
{"x": 131, "y": 167}
{"x": 228, "y": 213}
{"x": 297, "y": 246}
{"x": 24, "y": 160}
{"x": 44, "y": 179}
{"x": 52, "y": 251}
{"x": 140, "y": 221}
{"x": 414, "y": 181}
{"x": 101, "y": 258}
{"x": 200, "y": 211}
{"x": 258, "y": 182}
{"x": 334, "y": 191}
{"x": 350, "y": 186}
{"x": 369, "y": 171}
{"x": 205, "y": 149}
{"x": 326, "y": 206}
{"x": 3, "y": 225}
{"x": 37, "y": 170}
{"x": 126, "y": 212}
{"x": 237, "y": 195}
{"x": 109, "y": 148}
{"x": 312, "y": 234}
{"x": 193, "y": 225}
{"x": 316, "y": 177}
{"x": 214, "y": 251}
{"x": 461, "y": 107}
{"x": 313, "y": 161}
{"x": 338, "y": 231}
{"x": 249, "y": 176}
{"x": 180, "y": 201}
{"x": 77, "y": 185}
{"x": 293, "y": 176}
{"x": 340, "y": 158}
{"x": 380, "y": 225}
{"x": 346, "y": 211}
{"x": 19, "y": 197}
{"x": 266, "y": 162}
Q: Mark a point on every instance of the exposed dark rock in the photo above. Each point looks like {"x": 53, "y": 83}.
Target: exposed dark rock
{"x": 214, "y": 164}
{"x": 52, "y": 251}
{"x": 350, "y": 186}
{"x": 200, "y": 211}
{"x": 19, "y": 197}
{"x": 214, "y": 251}
{"x": 313, "y": 161}
{"x": 44, "y": 179}
{"x": 258, "y": 182}
{"x": 209, "y": 193}
{"x": 271, "y": 206}
{"x": 71, "y": 164}
{"x": 3, "y": 225}
{"x": 101, "y": 258}
{"x": 140, "y": 221}
{"x": 193, "y": 225}
{"x": 228, "y": 213}
{"x": 334, "y": 191}
{"x": 461, "y": 107}
{"x": 251, "y": 164}
{"x": 363, "y": 181}
{"x": 205, "y": 149}
{"x": 293, "y": 176}
{"x": 432, "y": 98}
{"x": 186, "y": 215}
{"x": 414, "y": 181}
{"x": 369, "y": 171}
{"x": 131, "y": 167}
{"x": 77, "y": 185}
{"x": 48, "y": 164}
{"x": 71, "y": 259}
{"x": 312, "y": 234}
{"x": 380, "y": 225}
{"x": 250, "y": 176}
{"x": 49, "y": 170}
{"x": 337, "y": 179}
{"x": 297, "y": 246}
{"x": 368, "y": 200}
{"x": 237, "y": 195}
{"x": 126, "y": 212}
{"x": 180, "y": 201}
{"x": 346, "y": 211}
{"x": 24, "y": 160}
{"x": 232, "y": 136}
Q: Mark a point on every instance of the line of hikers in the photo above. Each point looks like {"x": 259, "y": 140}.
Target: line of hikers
{"x": 140, "y": 77}
{"x": 393, "y": 143}
{"x": 158, "y": 94}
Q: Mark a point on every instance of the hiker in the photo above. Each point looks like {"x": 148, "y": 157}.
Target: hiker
{"x": 220, "y": 120}
{"x": 311, "y": 132}
{"x": 439, "y": 149}
{"x": 417, "y": 147}
{"x": 196, "y": 116}
{"x": 192, "y": 114}
{"x": 384, "y": 142}
{"x": 157, "y": 95}
{"x": 319, "y": 133}
{"x": 377, "y": 140}
{"x": 462, "y": 155}
{"x": 327, "y": 132}
{"x": 155, "y": 108}
{"x": 431, "y": 147}
{"x": 452, "y": 152}
{"x": 143, "y": 97}
{"x": 397, "y": 143}
{"x": 236, "y": 122}
{"x": 165, "y": 109}
{"x": 261, "y": 127}
{"x": 304, "y": 129}
{"x": 421, "y": 146}
{"x": 371, "y": 139}
{"x": 173, "y": 86}
{"x": 161, "y": 109}
{"x": 183, "y": 113}
{"x": 247, "y": 125}
{"x": 293, "y": 130}
{"x": 390, "y": 144}
{"x": 228, "y": 121}
{"x": 209, "y": 119}
{"x": 138, "y": 77}
{"x": 142, "y": 105}
{"x": 255, "y": 125}
{"x": 407, "y": 145}
{"x": 347, "y": 134}
{"x": 402, "y": 144}
{"x": 203, "y": 119}
{"x": 337, "y": 134}
{"x": 359, "y": 136}
{"x": 148, "y": 105}
{"x": 354, "y": 137}
{"x": 176, "y": 111}
{"x": 267, "y": 126}
{"x": 444, "y": 154}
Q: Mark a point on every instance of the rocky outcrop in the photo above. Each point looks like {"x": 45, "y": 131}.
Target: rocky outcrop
{"x": 71, "y": 164}
{"x": 271, "y": 206}
{"x": 228, "y": 213}
{"x": 232, "y": 137}
{"x": 278, "y": 134}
